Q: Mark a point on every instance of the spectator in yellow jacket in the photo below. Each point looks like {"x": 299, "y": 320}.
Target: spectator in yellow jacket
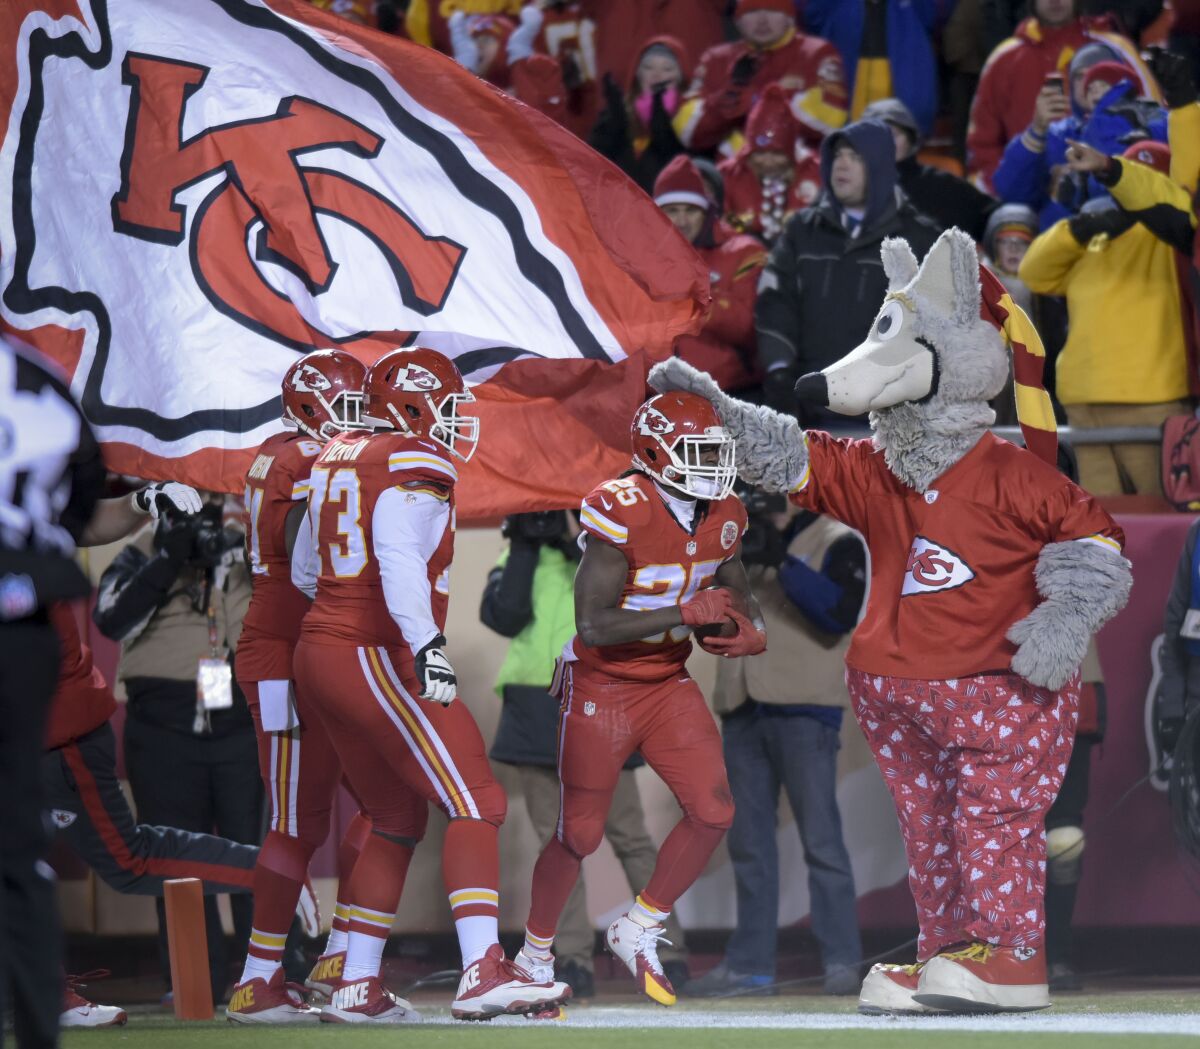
{"x": 1125, "y": 359}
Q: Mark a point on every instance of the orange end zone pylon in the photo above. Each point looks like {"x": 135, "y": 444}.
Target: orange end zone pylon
{"x": 188, "y": 944}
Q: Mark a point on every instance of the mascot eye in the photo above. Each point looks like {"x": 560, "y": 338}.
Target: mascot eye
{"x": 891, "y": 320}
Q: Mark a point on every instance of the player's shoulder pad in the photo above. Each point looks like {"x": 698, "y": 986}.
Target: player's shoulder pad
{"x": 730, "y": 509}
{"x": 614, "y": 508}
{"x": 417, "y": 459}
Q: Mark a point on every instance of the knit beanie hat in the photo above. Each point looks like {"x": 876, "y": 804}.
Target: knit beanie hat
{"x": 771, "y": 125}
{"x": 1153, "y": 154}
{"x": 784, "y": 7}
{"x": 1112, "y": 73}
{"x": 680, "y": 183}
{"x": 895, "y": 113}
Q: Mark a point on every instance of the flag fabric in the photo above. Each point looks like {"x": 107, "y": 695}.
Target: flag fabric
{"x": 195, "y": 192}
{"x": 1035, "y": 413}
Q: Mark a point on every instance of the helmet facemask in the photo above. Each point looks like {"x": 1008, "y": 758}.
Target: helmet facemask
{"x": 439, "y": 421}
{"x": 685, "y": 469}
{"x": 343, "y": 413}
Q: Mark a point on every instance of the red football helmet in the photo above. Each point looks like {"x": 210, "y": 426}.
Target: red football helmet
{"x": 672, "y": 433}
{"x": 323, "y": 393}
{"x": 419, "y": 391}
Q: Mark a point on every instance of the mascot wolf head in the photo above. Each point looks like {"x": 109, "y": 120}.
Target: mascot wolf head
{"x": 929, "y": 365}
{"x": 929, "y": 342}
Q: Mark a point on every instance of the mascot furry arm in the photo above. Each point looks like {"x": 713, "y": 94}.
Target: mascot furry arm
{"x": 926, "y": 415}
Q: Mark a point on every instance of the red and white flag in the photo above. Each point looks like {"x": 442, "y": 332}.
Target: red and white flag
{"x": 194, "y": 192}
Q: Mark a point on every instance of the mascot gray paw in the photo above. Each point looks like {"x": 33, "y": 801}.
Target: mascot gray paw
{"x": 674, "y": 374}
{"x": 771, "y": 450}
{"x": 1051, "y": 643}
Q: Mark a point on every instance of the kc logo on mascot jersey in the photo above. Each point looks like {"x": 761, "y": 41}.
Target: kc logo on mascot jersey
{"x": 932, "y": 568}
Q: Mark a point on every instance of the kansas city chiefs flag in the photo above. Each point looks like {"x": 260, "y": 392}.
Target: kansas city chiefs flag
{"x": 195, "y": 192}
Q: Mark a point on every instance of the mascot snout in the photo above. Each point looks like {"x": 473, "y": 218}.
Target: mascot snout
{"x": 880, "y": 373}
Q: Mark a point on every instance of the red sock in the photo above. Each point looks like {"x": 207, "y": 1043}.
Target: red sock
{"x": 681, "y": 860}
{"x": 278, "y": 878}
{"x": 377, "y": 879}
{"x": 352, "y": 844}
{"x": 471, "y": 873}
{"x": 554, "y": 876}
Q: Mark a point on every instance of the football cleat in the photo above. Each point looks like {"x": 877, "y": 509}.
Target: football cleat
{"x": 367, "y": 1001}
{"x": 637, "y": 946}
{"x": 326, "y": 973}
{"x": 493, "y": 986}
{"x": 889, "y": 989}
{"x": 77, "y": 1011}
{"x": 982, "y": 978}
{"x": 539, "y": 971}
{"x": 273, "y": 1001}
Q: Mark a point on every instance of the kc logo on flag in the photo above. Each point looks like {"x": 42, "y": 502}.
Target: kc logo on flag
{"x": 193, "y": 192}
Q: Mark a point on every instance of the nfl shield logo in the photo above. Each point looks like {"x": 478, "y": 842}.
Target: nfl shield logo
{"x": 589, "y": 708}
{"x": 691, "y": 547}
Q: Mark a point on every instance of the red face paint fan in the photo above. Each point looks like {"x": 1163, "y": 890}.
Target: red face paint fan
{"x": 671, "y": 435}
{"x": 323, "y": 393}
{"x": 419, "y": 391}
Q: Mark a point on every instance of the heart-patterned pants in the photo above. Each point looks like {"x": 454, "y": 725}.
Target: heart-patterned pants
{"x": 972, "y": 765}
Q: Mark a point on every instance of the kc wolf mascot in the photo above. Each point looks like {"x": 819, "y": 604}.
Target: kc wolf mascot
{"x": 990, "y": 571}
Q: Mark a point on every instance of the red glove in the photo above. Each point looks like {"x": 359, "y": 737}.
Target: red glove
{"x": 707, "y": 607}
{"x": 748, "y": 641}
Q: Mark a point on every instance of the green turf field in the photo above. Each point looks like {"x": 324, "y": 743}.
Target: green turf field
{"x": 1159, "y": 1020}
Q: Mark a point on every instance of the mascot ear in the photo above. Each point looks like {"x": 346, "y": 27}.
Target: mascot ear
{"x": 899, "y": 263}
{"x": 949, "y": 278}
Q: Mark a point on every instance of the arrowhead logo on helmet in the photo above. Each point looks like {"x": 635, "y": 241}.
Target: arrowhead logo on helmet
{"x": 415, "y": 379}
{"x": 308, "y": 379}
{"x": 654, "y": 424}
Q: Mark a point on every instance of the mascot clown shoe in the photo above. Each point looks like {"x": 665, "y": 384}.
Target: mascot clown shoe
{"x": 990, "y": 572}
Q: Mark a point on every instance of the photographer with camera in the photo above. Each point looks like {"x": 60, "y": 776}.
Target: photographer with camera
{"x": 530, "y": 598}
{"x": 175, "y": 598}
{"x": 781, "y": 716}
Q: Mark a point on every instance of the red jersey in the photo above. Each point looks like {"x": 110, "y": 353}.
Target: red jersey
{"x": 276, "y": 482}
{"x": 749, "y": 209}
{"x": 808, "y": 68}
{"x": 380, "y": 499}
{"x": 83, "y": 701}
{"x": 952, "y": 568}
{"x": 668, "y": 563}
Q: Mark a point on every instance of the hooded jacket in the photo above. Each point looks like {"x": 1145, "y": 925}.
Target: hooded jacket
{"x": 639, "y": 150}
{"x": 1013, "y": 76}
{"x": 1025, "y": 174}
{"x": 824, "y": 279}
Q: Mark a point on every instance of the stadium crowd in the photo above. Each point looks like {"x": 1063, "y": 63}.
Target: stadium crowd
{"x": 785, "y": 140}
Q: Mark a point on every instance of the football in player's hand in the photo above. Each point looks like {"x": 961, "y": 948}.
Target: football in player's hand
{"x": 727, "y": 627}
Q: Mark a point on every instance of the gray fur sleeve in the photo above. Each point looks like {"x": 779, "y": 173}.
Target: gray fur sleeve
{"x": 1083, "y": 585}
{"x": 771, "y": 450}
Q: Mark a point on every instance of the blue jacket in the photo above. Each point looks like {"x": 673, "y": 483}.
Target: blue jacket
{"x": 1023, "y": 174}
{"x": 910, "y": 25}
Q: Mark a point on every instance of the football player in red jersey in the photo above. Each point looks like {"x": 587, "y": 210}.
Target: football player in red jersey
{"x": 372, "y": 660}
{"x": 322, "y": 397}
{"x": 657, "y": 537}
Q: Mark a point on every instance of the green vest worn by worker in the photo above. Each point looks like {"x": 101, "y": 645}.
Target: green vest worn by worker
{"x": 531, "y": 654}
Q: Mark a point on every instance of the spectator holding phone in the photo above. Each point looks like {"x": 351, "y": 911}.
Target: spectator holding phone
{"x": 1013, "y": 79}
{"x": 1099, "y": 103}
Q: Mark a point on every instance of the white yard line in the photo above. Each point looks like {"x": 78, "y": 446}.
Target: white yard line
{"x": 602, "y": 1016}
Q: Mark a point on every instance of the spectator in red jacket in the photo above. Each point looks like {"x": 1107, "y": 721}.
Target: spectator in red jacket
{"x": 767, "y": 182}
{"x": 500, "y": 51}
{"x": 1016, "y": 71}
{"x": 725, "y": 348}
{"x": 731, "y": 77}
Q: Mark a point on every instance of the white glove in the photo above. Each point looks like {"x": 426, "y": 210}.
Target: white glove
{"x": 155, "y": 498}
{"x": 436, "y": 675}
